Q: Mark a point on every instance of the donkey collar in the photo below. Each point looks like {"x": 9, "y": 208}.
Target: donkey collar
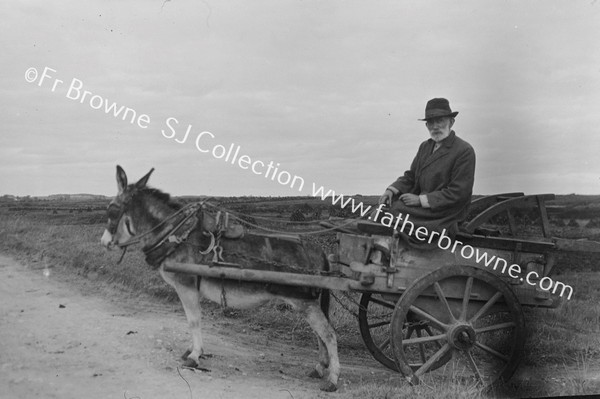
{"x": 168, "y": 241}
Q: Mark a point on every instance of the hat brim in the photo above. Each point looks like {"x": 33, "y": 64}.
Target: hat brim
{"x": 451, "y": 114}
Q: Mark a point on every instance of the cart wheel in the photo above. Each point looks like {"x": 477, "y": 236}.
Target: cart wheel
{"x": 374, "y": 318}
{"x": 474, "y": 318}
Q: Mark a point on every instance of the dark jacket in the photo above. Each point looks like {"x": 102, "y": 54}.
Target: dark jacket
{"x": 446, "y": 176}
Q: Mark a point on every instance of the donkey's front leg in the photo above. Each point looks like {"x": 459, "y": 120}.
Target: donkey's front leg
{"x": 185, "y": 286}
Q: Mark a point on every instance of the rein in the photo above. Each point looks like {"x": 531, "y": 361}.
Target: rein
{"x": 240, "y": 216}
{"x": 191, "y": 210}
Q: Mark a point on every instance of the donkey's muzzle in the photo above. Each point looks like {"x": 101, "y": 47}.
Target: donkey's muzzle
{"x": 106, "y": 240}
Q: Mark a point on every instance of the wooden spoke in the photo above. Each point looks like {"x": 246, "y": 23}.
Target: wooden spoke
{"x": 466, "y": 297}
{"x": 492, "y": 351}
{"x": 421, "y": 349}
{"x": 473, "y": 366}
{"x": 442, "y": 298}
{"x": 437, "y": 356}
{"x": 486, "y": 307}
{"x": 422, "y": 313}
{"x": 428, "y": 329}
{"x": 501, "y": 326}
{"x": 381, "y": 323}
{"x": 421, "y": 340}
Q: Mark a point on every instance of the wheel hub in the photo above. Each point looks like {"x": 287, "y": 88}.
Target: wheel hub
{"x": 462, "y": 336}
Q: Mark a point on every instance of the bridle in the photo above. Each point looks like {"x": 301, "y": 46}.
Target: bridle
{"x": 188, "y": 211}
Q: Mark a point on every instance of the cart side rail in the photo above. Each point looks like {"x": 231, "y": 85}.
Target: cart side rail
{"x": 506, "y": 205}
{"x": 581, "y": 245}
{"x": 481, "y": 203}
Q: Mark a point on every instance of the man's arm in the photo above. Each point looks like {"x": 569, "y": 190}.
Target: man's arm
{"x": 405, "y": 183}
{"x": 402, "y": 184}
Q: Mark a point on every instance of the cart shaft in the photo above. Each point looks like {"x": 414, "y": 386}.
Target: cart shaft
{"x": 266, "y": 276}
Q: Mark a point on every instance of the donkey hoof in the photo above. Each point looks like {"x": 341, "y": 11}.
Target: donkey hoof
{"x": 315, "y": 374}
{"x": 190, "y": 363}
{"x": 328, "y": 387}
{"x": 186, "y": 354}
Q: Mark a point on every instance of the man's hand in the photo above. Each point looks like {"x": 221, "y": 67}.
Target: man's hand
{"x": 410, "y": 199}
{"x": 386, "y": 198}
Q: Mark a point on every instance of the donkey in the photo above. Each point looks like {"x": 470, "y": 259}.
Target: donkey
{"x": 145, "y": 215}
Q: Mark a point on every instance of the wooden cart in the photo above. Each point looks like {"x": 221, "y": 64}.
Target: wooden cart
{"x": 455, "y": 313}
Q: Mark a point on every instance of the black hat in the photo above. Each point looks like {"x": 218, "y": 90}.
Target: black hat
{"x": 438, "y": 107}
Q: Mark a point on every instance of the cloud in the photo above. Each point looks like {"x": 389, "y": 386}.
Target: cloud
{"x": 332, "y": 91}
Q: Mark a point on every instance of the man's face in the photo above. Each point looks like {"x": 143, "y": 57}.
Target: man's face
{"x": 439, "y": 128}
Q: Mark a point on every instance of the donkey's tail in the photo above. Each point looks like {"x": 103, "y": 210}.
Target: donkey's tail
{"x": 325, "y": 301}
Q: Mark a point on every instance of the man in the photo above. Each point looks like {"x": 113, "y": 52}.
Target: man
{"x": 436, "y": 191}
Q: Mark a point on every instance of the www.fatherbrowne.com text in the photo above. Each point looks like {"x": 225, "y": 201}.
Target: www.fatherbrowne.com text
{"x": 234, "y": 155}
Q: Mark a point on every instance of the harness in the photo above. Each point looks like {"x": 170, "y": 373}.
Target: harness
{"x": 175, "y": 229}
{"x": 178, "y": 226}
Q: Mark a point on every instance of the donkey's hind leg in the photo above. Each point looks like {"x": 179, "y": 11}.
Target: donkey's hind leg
{"x": 328, "y": 353}
{"x": 321, "y": 367}
{"x": 185, "y": 286}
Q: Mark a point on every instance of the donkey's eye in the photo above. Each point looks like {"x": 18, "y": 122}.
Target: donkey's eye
{"x": 113, "y": 211}
{"x": 128, "y": 226}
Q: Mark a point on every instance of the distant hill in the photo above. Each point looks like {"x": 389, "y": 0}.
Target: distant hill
{"x": 76, "y": 197}
{"x": 562, "y": 200}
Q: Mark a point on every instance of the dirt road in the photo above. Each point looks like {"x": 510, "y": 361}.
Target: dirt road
{"x": 57, "y": 341}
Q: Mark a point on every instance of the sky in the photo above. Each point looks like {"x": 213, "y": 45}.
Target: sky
{"x": 328, "y": 93}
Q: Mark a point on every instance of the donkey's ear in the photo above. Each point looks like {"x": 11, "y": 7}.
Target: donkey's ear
{"x": 142, "y": 182}
{"x": 121, "y": 178}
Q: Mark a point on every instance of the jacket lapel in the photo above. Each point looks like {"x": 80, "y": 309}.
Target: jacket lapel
{"x": 441, "y": 152}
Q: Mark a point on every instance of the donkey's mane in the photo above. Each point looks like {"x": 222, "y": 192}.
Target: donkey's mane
{"x": 151, "y": 197}
{"x": 162, "y": 196}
